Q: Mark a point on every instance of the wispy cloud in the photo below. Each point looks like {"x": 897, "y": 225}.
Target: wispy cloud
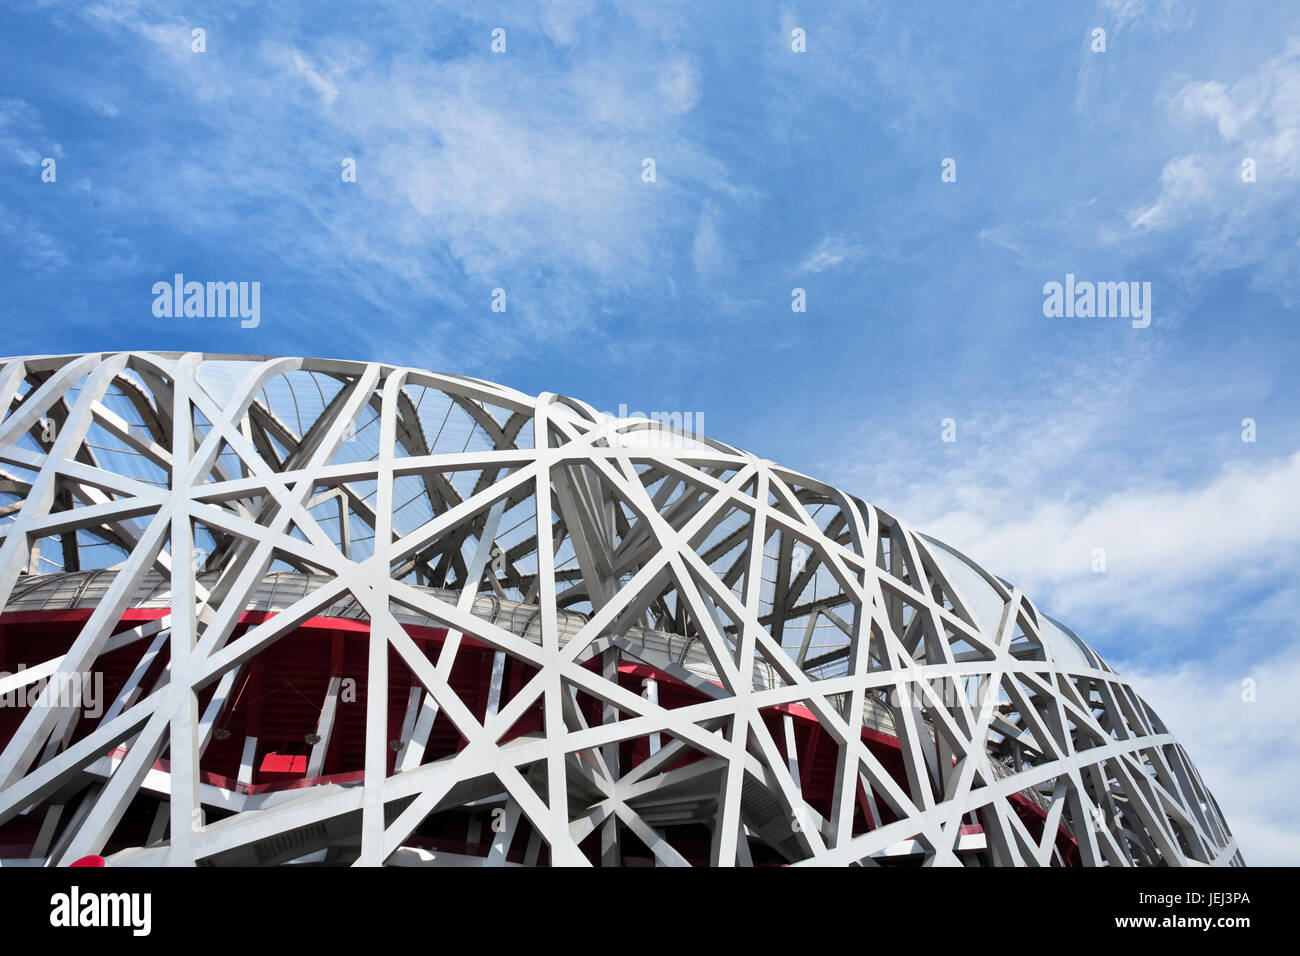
{"x": 1184, "y": 182}
{"x": 1233, "y": 222}
{"x": 1031, "y": 493}
{"x": 460, "y": 172}
{"x": 1163, "y": 16}
{"x": 37, "y": 249}
{"x": 1240, "y": 736}
{"x": 708, "y": 253}
{"x": 20, "y": 132}
{"x": 1171, "y": 554}
{"x": 832, "y": 251}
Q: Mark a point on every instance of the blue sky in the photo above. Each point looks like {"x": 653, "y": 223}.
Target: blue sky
{"x": 775, "y": 170}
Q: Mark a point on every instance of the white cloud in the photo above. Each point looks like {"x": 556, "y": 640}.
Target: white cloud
{"x": 1211, "y": 100}
{"x": 322, "y": 85}
{"x": 519, "y": 171}
{"x": 1170, "y": 553}
{"x": 1245, "y": 752}
{"x": 1257, "y": 116}
{"x": 1162, "y": 16}
{"x": 100, "y": 104}
{"x": 34, "y": 248}
{"x": 19, "y": 128}
{"x": 679, "y": 82}
{"x": 1029, "y": 491}
{"x": 832, "y": 251}
{"x": 1002, "y": 236}
{"x": 707, "y": 252}
{"x": 562, "y": 22}
{"x": 1184, "y": 182}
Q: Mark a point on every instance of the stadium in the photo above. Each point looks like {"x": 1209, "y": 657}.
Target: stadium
{"x": 345, "y": 613}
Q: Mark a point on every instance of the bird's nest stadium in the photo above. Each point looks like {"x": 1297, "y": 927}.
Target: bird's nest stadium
{"x": 263, "y": 611}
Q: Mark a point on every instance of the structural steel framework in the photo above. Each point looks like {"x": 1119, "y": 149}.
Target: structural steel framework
{"x": 350, "y": 613}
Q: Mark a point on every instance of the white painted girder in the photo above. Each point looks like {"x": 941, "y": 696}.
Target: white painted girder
{"x": 630, "y": 523}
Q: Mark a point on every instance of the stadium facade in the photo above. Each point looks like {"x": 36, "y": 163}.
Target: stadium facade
{"x": 281, "y": 610}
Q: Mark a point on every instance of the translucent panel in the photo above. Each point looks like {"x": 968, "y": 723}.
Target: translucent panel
{"x": 1066, "y": 649}
{"x": 982, "y": 599}
{"x": 220, "y": 379}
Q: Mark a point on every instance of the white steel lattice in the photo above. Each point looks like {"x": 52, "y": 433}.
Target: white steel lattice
{"x": 709, "y": 659}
